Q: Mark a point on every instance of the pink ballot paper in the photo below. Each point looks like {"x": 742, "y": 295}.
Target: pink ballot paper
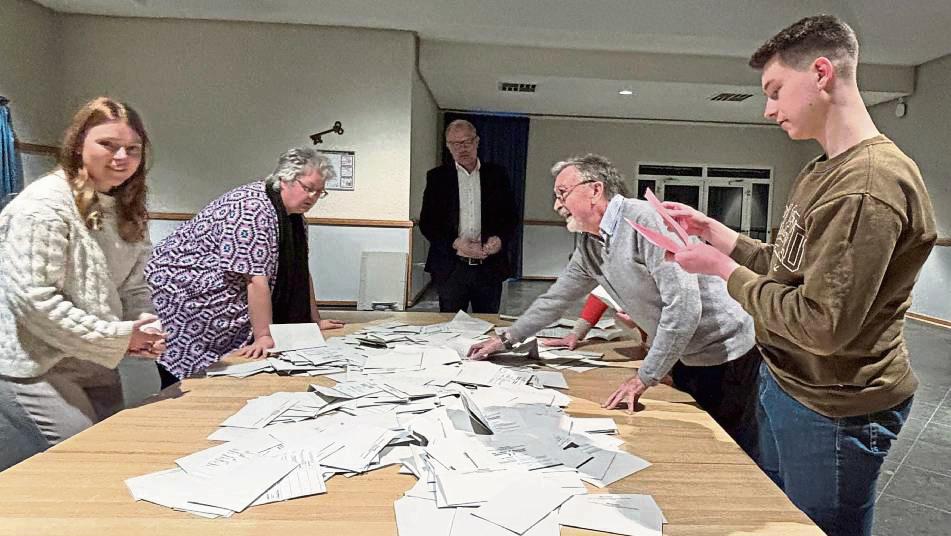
{"x": 658, "y": 239}
{"x": 671, "y": 222}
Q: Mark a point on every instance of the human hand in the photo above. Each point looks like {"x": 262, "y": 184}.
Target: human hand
{"x": 257, "y": 349}
{"x": 146, "y": 339}
{"x": 704, "y": 259}
{"x": 693, "y": 221}
{"x": 629, "y": 392}
{"x": 484, "y": 349}
{"x": 624, "y": 320}
{"x": 469, "y": 248}
{"x": 330, "y": 323}
{"x": 570, "y": 341}
{"x": 492, "y": 246}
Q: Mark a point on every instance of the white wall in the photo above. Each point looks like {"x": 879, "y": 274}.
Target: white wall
{"x": 30, "y": 62}
{"x": 626, "y": 143}
{"x": 222, "y": 100}
{"x": 925, "y": 135}
{"x": 425, "y": 155}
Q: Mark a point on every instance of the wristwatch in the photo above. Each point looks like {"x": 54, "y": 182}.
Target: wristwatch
{"x": 507, "y": 342}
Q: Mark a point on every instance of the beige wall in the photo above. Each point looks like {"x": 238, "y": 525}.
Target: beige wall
{"x": 222, "y": 100}
{"x": 628, "y": 142}
{"x": 425, "y": 155}
{"x": 925, "y": 135}
{"x": 29, "y": 59}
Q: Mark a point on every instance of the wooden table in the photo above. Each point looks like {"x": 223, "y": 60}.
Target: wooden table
{"x": 703, "y": 482}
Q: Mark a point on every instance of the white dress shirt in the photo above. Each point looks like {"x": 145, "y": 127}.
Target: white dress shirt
{"x": 470, "y": 203}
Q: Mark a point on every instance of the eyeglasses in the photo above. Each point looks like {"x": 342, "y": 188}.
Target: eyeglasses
{"x": 462, "y": 144}
{"x": 319, "y": 194}
{"x": 562, "y": 195}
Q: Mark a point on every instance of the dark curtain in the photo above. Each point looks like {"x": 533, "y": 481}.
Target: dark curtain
{"x": 11, "y": 172}
{"x": 503, "y": 140}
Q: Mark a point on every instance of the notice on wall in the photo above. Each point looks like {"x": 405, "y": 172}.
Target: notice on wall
{"x": 343, "y": 164}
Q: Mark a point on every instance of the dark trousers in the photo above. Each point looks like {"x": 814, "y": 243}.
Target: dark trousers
{"x": 165, "y": 376}
{"x": 729, "y": 393}
{"x": 477, "y": 285}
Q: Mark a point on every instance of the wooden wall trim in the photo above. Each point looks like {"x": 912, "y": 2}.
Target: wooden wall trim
{"x": 928, "y": 319}
{"x": 943, "y": 241}
{"x": 36, "y": 148}
{"x": 538, "y": 278}
{"x": 549, "y": 223}
{"x": 333, "y": 222}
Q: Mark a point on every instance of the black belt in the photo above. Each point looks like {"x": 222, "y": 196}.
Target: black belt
{"x": 471, "y": 261}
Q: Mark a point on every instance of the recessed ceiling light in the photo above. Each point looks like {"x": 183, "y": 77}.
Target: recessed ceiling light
{"x": 625, "y": 92}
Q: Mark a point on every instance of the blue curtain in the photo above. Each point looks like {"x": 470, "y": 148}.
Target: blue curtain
{"x": 11, "y": 172}
{"x": 503, "y": 140}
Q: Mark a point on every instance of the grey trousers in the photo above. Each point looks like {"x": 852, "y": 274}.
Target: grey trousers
{"x": 37, "y": 413}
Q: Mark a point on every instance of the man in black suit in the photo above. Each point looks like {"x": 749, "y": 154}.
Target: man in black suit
{"x": 469, "y": 217}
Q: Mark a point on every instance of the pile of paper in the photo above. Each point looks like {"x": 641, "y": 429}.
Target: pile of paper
{"x": 389, "y": 347}
{"x": 492, "y": 449}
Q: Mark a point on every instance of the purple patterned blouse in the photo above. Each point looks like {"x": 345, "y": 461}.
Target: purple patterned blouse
{"x": 197, "y": 277}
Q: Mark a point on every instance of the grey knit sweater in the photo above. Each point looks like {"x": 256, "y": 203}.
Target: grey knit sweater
{"x": 686, "y": 316}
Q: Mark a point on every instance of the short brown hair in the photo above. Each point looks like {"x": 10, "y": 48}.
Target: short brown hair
{"x": 822, "y": 35}
{"x": 131, "y": 213}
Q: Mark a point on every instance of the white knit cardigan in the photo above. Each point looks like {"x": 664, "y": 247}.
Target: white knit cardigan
{"x": 57, "y": 297}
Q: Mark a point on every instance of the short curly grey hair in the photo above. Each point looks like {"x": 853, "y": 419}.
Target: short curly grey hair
{"x": 296, "y": 162}
{"x": 594, "y": 167}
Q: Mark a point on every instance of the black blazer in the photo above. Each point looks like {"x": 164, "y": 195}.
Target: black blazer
{"x": 439, "y": 218}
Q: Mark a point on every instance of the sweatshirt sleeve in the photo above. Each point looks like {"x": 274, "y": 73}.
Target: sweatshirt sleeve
{"x": 847, "y": 244}
{"x": 752, "y": 254}
{"x": 33, "y": 261}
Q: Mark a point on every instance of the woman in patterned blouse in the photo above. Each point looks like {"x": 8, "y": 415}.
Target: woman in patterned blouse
{"x": 222, "y": 278}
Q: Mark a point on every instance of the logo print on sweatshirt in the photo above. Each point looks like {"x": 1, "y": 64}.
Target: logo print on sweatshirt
{"x": 790, "y": 240}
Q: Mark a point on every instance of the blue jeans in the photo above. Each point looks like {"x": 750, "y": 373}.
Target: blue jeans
{"x": 826, "y": 466}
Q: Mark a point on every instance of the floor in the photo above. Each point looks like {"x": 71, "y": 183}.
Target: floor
{"x": 914, "y": 490}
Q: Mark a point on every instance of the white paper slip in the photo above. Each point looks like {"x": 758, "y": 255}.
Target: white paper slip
{"x": 296, "y": 336}
{"x": 466, "y": 524}
{"x": 594, "y": 425}
{"x": 463, "y": 323}
{"x": 522, "y": 504}
{"x": 420, "y": 517}
{"x": 552, "y": 378}
{"x": 307, "y": 479}
{"x": 241, "y": 370}
{"x": 619, "y": 466}
{"x": 214, "y": 460}
{"x": 258, "y": 412}
{"x": 602, "y": 295}
{"x": 630, "y": 515}
{"x": 170, "y": 489}
{"x": 238, "y": 487}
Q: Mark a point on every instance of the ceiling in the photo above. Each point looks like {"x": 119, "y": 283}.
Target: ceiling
{"x": 672, "y": 38}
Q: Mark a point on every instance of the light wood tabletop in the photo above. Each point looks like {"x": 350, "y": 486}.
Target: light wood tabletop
{"x": 702, "y": 481}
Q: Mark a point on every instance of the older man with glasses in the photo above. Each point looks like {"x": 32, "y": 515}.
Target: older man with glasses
{"x": 469, "y": 218}
{"x": 241, "y": 264}
{"x": 696, "y": 332}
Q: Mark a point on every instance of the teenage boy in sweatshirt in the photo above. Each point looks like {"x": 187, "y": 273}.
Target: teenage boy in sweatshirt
{"x": 829, "y": 298}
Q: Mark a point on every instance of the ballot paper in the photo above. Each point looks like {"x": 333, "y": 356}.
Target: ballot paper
{"x": 296, "y": 337}
{"x": 522, "y": 504}
{"x": 463, "y": 323}
{"x": 631, "y": 515}
{"x": 668, "y": 219}
{"x": 474, "y": 434}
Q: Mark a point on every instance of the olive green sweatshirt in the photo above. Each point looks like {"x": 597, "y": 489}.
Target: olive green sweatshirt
{"x": 829, "y": 298}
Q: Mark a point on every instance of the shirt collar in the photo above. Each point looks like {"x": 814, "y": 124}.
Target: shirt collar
{"x": 612, "y": 216}
{"x": 466, "y": 173}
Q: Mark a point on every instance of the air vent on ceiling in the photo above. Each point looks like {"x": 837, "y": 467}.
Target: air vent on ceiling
{"x": 731, "y": 97}
{"x": 517, "y": 87}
